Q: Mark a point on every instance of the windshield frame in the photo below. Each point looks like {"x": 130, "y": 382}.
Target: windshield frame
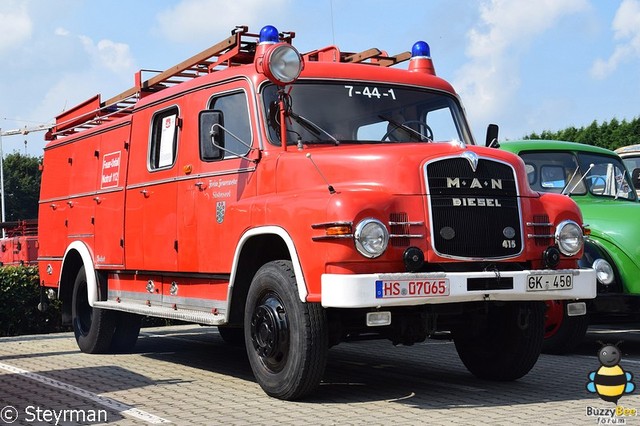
{"x": 455, "y": 109}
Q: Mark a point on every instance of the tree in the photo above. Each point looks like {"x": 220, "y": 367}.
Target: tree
{"x": 21, "y": 186}
{"x": 611, "y": 135}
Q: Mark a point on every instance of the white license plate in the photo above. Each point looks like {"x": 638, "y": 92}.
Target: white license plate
{"x": 388, "y": 289}
{"x": 549, "y": 282}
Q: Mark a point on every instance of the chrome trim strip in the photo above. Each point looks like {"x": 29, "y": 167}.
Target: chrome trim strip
{"x": 332, "y": 237}
{"x": 330, "y": 224}
{"x": 189, "y": 177}
{"x": 84, "y": 194}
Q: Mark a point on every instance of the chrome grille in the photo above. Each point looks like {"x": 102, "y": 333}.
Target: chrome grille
{"x": 474, "y": 212}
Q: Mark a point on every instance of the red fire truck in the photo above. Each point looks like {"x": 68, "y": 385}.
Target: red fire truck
{"x": 19, "y": 245}
{"x": 297, "y": 201}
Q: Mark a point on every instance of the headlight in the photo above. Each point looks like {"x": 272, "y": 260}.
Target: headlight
{"x": 569, "y": 237}
{"x": 604, "y": 271}
{"x": 371, "y": 237}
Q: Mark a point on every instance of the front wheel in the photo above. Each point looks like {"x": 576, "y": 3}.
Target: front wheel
{"x": 286, "y": 339}
{"x": 562, "y": 333}
{"x": 504, "y": 343}
{"x": 93, "y": 327}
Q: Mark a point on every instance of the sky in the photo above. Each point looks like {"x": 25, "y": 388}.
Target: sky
{"x": 527, "y": 66}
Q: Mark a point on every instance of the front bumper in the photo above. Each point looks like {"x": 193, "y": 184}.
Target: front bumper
{"x": 367, "y": 290}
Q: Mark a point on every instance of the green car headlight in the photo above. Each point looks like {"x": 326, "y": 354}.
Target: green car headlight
{"x": 604, "y": 271}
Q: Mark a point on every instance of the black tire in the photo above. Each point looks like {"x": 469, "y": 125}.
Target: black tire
{"x": 127, "y": 329}
{"x": 503, "y": 344}
{"x": 563, "y": 334}
{"x": 93, "y": 327}
{"x": 233, "y": 336}
{"x": 287, "y": 340}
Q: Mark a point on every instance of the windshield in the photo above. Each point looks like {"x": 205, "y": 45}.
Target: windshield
{"x": 576, "y": 173}
{"x": 632, "y": 163}
{"x": 347, "y": 112}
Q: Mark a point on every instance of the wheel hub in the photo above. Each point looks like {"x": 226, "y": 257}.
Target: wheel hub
{"x": 269, "y": 329}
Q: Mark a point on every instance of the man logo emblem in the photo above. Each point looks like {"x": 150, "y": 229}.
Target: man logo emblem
{"x": 472, "y": 157}
{"x": 220, "y": 206}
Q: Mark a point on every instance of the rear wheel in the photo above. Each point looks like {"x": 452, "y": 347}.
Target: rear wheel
{"x": 93, "y": 327}
{"x": 503, "y": 344}
{"x": 233, "y": 336}
{"x": 562, "y": 333}
{"x": 286, "y": 340}
{"x": 127, "y": 329}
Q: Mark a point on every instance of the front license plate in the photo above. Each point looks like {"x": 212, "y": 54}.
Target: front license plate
{"x": 387, "y": 289}
{"x": 548, "y": 282}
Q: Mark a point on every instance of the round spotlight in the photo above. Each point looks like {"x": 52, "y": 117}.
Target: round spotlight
{"x": 282, "y": 64}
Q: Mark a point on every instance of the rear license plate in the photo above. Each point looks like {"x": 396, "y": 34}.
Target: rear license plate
{"x": 387, "y": 289}
{"x": 549, "y": 282}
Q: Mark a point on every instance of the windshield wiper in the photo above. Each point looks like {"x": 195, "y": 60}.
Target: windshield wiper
{"x": 312, "y": 127}
{"x": 405, "y": 127}
{"x": 591, "y": 166}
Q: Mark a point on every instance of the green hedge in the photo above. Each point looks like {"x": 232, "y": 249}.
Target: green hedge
{"x": 19, "y": 298}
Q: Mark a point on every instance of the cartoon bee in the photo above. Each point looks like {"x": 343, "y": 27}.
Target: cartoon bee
{"x": 610, "y": 382}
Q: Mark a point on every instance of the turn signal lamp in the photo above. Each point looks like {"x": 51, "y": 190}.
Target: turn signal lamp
{"x": 279, "y": 62}
{"x": 421, "y": 58}
{"x": 338, "y": 230}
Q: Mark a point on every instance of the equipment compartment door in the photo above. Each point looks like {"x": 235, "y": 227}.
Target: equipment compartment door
{"x": 150, "y": 220}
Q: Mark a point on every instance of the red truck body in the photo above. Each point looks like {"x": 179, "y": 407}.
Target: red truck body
{"x": 178, "y": 199}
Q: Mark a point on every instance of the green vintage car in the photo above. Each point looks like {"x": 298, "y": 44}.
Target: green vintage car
{"x": 599, "y": 183}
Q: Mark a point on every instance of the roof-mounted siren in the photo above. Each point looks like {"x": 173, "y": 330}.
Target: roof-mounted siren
{"x": 280, "y": 62}
{"x": 421, "y": 58}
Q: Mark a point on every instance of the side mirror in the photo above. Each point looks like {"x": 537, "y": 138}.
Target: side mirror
{"x": 492, "y": 136}
{"x": 635, "y": 177}
{"x": 211, "y": 131}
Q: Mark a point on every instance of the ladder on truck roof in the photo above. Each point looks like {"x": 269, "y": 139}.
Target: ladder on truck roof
{"x": 237, "y": 49}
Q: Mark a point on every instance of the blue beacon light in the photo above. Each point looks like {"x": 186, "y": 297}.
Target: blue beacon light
{"x": 421, "y": 58}
{"x": 269, "y": 34}
{"x": 420, "y": 49}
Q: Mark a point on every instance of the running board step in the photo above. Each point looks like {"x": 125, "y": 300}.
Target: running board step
{"x": 197, "y": 317}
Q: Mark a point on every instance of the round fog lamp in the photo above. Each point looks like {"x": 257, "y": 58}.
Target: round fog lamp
{"x": 569, "y": 237}
{"x": 282, "y": 64}
{"x": 604, "y": 271}
{"x": 371, "y": 237}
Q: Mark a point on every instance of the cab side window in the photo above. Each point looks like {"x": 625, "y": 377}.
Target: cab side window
{"x": 164, "y": 139}
{"x": 233, "y": 125}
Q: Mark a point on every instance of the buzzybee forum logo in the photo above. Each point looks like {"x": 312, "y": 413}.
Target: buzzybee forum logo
{"x": 610, "y": 382}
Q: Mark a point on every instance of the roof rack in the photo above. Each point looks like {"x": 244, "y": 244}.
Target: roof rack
{"x": 237, "y": 49}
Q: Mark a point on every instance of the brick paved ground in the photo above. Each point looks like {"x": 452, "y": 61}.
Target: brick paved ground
{"x": 188, "y": 375}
